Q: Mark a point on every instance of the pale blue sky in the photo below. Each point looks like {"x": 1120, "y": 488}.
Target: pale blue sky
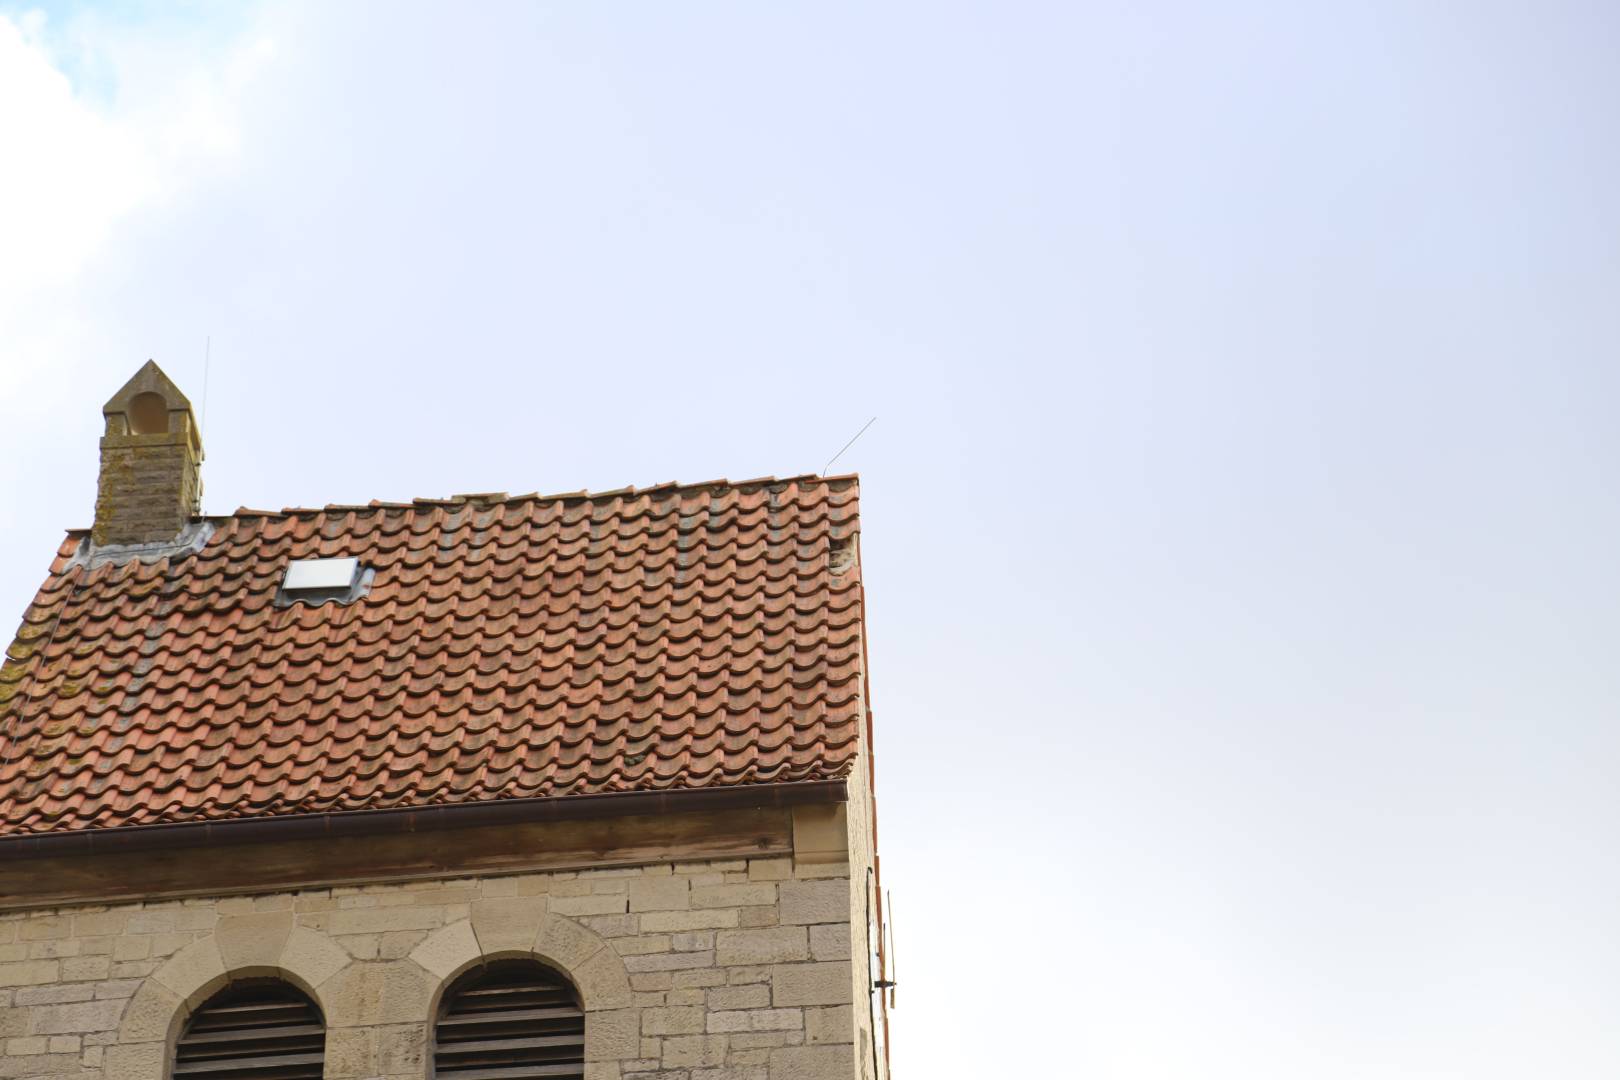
{"x": 1240, "y": 518}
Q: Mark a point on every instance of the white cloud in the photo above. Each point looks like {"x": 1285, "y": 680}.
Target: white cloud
{"x": 76, "y": 165}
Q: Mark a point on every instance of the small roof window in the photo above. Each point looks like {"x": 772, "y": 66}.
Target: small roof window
{"x": 316, "y": 581}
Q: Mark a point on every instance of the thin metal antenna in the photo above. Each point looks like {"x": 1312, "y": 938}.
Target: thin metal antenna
{"x": 847, "y": 445}
{"x": 208, "y": 349}
{"x": 894, "y": 956}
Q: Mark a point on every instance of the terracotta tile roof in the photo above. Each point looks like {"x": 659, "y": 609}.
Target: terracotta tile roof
{"x": 674, "y": 637}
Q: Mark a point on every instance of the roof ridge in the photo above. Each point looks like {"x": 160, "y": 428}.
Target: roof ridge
{"x": 500, "y": 498}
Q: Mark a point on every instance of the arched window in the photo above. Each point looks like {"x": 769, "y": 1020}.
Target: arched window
{"x": 516, "y": 1019}
{"x": 255, "y": 1029}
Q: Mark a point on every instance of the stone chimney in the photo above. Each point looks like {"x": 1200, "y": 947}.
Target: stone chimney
{"x": 151, "y": 458}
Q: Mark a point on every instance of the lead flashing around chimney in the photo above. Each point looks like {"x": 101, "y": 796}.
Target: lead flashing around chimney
{"x": 190, "y": 541}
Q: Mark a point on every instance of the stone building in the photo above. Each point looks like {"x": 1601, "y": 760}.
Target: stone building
{"x": 483, "y": 787}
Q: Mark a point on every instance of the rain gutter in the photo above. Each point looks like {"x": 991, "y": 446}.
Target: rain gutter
{"x": 188, "y": 834}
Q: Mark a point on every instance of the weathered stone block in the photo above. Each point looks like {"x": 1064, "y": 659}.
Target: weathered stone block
{"x": 811, "y": 984}
{"x": 52, "y": 995}
{"x": 134, "y": 1061}
{"x": 85, "y": 968}
{"x": 45, "y": 928}
{"x": 253, "y": 941}
{"x": 594, "y": 904}
{"x": 829, "y": 1025}
{"x": 312, "y": 957}
{"x": 824, "y": 901}
{"x": 349, "y": 1052}
{"x": 132, "y": 948}
{"x": 367, "y": 994}
{"x": 693, "y": 941}
{"x": 637, "y": 946}
{"x": 728, "y": 1021}
{"x": 749, "y": 895}
{"x": 152, "y": 1015}
{"x": 667, "y": 893}
{"x": 508, "y": 924}
{"x": 700, "y": 978}
{"x": 447, "y": 950}
{"x": 603, "y": 982}
{"x": 773, "y": 945}
{"x": 813, "y": 1063}
{"x": 673, "y": 921}
{"x": 830, "y": 941}
{"x": 739, "y": 997}
{"x": 669, "y": 961}
{"x": 685, "y": 1020}
{"x": 732, "y": 1072}
{"x": 687, "y": 1051}
{"x": 777, "y": 869}
{"x": 100, "y": 923}
{"x": 397, "y": 944}
{"x": 194, "y": 971}
{"x": 613, "y": 1034}
{"x": 381, "y": 920}
{"x": 30, "y": 973}
{"x": 775, "y": 1019}
{"x": 13, "y": 1021}
{"x": 402, "y": 1048}
{"x": 565, "y": 942}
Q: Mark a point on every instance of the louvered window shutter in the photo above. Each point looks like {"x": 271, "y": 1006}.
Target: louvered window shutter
{"x": 253, "y": 1030}
{"x": 512, "y": 1020}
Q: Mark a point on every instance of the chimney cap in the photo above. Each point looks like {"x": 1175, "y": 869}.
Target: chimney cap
{"x": 150, "y": 379}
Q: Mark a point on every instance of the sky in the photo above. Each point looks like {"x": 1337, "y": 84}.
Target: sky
{"x": 1240, "y": 516}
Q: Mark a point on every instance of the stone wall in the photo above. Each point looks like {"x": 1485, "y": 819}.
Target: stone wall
{"x": 863, "y": 897}
{"x": 733, "y": 970}
{"x": 148, "y": 489}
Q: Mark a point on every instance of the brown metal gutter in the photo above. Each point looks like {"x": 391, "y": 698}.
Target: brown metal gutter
{"x": 136, "y": 838}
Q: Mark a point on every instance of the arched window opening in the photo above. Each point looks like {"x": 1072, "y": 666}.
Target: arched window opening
{"x": 148, "y": 414}
{"x": 256, "y": 1029}
{"x": 515, "y": 1019}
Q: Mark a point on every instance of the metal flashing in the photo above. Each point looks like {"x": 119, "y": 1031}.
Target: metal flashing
{"x": 91, "y": 555}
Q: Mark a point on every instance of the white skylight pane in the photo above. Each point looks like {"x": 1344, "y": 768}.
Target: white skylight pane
{"x": 320, "y": 574}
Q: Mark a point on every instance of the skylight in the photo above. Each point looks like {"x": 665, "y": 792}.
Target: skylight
{"x": 319, "y": 580}
{"x": 320, "y": 574}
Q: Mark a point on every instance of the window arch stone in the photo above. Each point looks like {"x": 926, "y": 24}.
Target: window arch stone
{"x": 257, "y": 948}
{"x": 522, "y": 928}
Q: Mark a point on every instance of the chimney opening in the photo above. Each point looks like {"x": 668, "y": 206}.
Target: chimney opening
{"x": 148, "y": 414}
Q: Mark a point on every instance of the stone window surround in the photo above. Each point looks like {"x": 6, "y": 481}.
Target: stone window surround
{"x": 354, "y": 994}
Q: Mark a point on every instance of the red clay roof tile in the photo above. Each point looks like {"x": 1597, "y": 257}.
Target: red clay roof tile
{"x": 539, "y": 646}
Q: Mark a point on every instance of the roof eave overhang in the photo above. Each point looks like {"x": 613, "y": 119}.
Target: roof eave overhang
{"x": 197, "y": 834}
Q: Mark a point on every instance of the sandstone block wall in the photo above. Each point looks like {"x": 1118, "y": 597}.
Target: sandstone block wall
{"x": 730, "y": 970}
{"x": 148, "y": 489}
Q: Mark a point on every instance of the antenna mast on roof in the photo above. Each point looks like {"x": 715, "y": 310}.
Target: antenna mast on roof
{"x": 847, "y": 445}
{"x": 208, "y": 349}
